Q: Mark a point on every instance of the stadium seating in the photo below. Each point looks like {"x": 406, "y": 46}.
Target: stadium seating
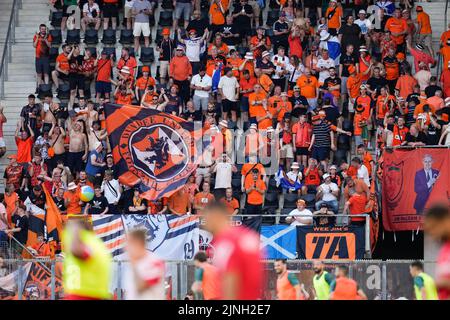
{"x": 91, "y": 37}
{"x": 290, "y": 200}
{"x": 272, "y": 16}
{"x": 93, "y": 51}
{"x": 147, "y": 55}
{"x": 109, "y": 37}
{"x": 56, "y": 37}
{"x": 109, "y": 51}
{"x": 126, "y": 37}
{"x": 56, "y": 19}
{"x": 271, "y": 201}
{"x": 53, "y": 54}
{"x": 63, "y": 91}
{"x": 73, "y": 36}
{"x": 165, "y": 19}
{"x": 44, "y": 89}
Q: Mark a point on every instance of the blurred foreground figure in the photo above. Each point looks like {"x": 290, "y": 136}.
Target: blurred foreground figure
{"x": 144, "y": 278}
{"x": 344, "y": 288}
{"x": 237, "y": 256}
{"x": 87, "y": 263}
{"x": 437, "y": 225}
{"x": 424, "y": 286}
{"x": 206, "y": 278}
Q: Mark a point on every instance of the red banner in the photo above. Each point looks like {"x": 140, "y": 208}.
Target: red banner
{"x": 412, "y": 181}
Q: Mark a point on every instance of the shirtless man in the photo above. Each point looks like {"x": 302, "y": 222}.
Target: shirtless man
{"x": 48, "y": 113}
{"x": 92, "y": 113}
{"x": 96, "y": 134}
{"x": 155, "y": 101}
{"x": 57, "y": 136}
{"x": 78, "y": 147}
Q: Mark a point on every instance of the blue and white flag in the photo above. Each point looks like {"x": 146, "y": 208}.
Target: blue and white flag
{"x": 110, "y": 229}
{"x": 279, "y": 241}
{"x": 285, "y": 183}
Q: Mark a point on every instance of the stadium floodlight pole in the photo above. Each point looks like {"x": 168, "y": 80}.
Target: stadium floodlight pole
{"x": 367, "y": 234}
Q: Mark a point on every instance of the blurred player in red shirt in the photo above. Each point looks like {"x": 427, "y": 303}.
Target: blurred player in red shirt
{"x": 237, "y": 256}
{"x": 437, "y": 225}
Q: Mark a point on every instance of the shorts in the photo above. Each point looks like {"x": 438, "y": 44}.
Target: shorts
{"x": 425, "y": 39}
{"x": 75, "y": 161}
{"x": 344, "y": 85}
{"x": 183, "y": 9}
{"x": 244, "y": 104}
{"x": 62, "y": 76}
{"x": 321, "y": 153}
{"x": 42, "y": 65}
{"x": 311, "y": 4}
{"x": 76, "y": 81}
{"x": 351, "y": 105}
{"x": 103, "y": 87}
{"x": 358, "y": 140}
{"x": 110, "y": 10}
{"x": 141, "y": 27}
{"x": 163, "y": 69}
{"x": 200, "y": 103}
{"x": 228, "y": 105}
{"x": 287, "y": 152}
{"x": 127, "y": 12}
{"x": 2, "y": 143}
{"x": 302, "y": 151}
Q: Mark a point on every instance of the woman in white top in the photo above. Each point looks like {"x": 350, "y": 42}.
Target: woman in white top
{"x": 445, "y": 134}
{"x": 295, "y": 69}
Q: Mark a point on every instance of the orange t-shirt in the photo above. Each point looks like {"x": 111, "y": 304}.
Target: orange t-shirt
{"x": 335, "y": 21}
{"x": 353, "y": 84}
{"x": 247, "y": 84}
{"x": 235, "y": 63}
{"x": 217, "y": 17}
{"x": 40, "y": 45}
{"x": 245, "y": 171}
{"x": 104, "y": 70}
{"x": 179, "y": 202}
{"x": 357, "y": 206}
{"x": 73, "y": 207}
{"x": 444, "y": 37}
{"x": 357, "y": 130}
{"x": 395, "y": 25}
{"x": 143, "y": 83}
{"x": 63, "y": 62}
{"x": 283, "y": 108}
{"x": 231, "y": 205}
{"x": 366, "y": 102}
{"x": 382, "y": 107}
{"x": 265, "y": 82}
{"x": 10, "y": 204}
{"x": 202, "y": 199}
{"x": 445, "y": 52}
{"x": 308, "y": 86}
{"x": 24, "y": 149}
{"x": 405, "y": 84}
{"x": 255, "y": 102}
{"x": 250, "y": 66}
{"x": 367, "y": 159}
{"x": 123, "y": 99}
{"x": 424, "y": 20}
{"x": 254, "y": 197}
{"x": 222, "y": 50}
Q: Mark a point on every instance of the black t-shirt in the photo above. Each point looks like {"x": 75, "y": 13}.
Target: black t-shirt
{"x": 230, "y": 29}
{"x": 350, "y": 35}
{"x": 131, "y": 204}
{"x": 376, "y": 83}
{"x": 347, "y": 60}
{"x": 331, "y": 82}
{"x": 98, "y": 205}
{"x": 264, "y": 65}
{"x": 199, "y": 26}
{"x": 433, "y": 133}
{"x": 60, "y": 204}
{"x": 431, "y": 90}
{"x": 243, "y": 21}
{"x": 296, "y": 109}
{"x": 167, "y": 49}
{"x": 38, "y": 201}
{"x": 281, "y": 26}
{"x": 195, "y": 115}
{"x": 22, "y": 223}
{"x": 75, "y": 64}
{"x": 421, "y": 137}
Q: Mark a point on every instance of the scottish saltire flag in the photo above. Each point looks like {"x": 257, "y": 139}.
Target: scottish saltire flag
{"x": 216, "y": 77}
{"x": 285, "y": 183}
{"x": 110, "y": 229}
{"x": 169, "y": 236}
{"x": 152, "y": 150}
{"x": 279, "y": 241}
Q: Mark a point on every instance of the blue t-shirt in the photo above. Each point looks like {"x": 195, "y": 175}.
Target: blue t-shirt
{"x": 90, "y": 168}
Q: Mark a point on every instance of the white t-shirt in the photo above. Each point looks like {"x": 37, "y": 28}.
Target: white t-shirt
{"x": 149, "y": 269}
{"x": 198, "y": 81}
{"x": 228, "y": 86}
{"x": 294, "y": 177}
{"x": 223, "y": 175}
{"x": 193, "y": 47}
{"x": 295, "y": 73}
{"x": 327, "y": 190}
{"x": 363, "y": 173}
{"x": 280, "y": 64}
{"x": 129, "y": 3}
{"x": 305, "y": 213}
{"x": 88, "y": 10}
{"x": 3, "y": 225}
{"x": 365, "y": 25}
{"x": 327, "y": 64}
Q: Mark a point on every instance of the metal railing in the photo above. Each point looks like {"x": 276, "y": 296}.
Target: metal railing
{"x": 380, "y": 280}
{"x": 9, "y": 41}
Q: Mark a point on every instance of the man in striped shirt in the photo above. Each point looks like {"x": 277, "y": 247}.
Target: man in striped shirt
{"x": 322, "y": 141}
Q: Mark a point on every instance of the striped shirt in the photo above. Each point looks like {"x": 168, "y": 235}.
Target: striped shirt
{"x": 321, "y": 133}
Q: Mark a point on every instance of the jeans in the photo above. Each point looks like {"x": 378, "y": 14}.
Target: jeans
{"x": 333, "y": 205}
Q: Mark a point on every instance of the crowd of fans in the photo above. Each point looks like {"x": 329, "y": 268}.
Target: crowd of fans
{"x": 314, "y": 86}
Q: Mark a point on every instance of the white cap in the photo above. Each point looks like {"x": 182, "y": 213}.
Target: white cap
{"x": 362, "y": 11}
{"x": 325, "y": 176}
{"x": 295, "y": 165}
{"x": 324, "y": 35}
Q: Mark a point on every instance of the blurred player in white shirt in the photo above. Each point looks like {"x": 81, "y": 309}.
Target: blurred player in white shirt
{"x": 144, "y": 278}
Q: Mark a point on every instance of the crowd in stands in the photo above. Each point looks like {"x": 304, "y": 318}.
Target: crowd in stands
{"x": 316, "y": 86}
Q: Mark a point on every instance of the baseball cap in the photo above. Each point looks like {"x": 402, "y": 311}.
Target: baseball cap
{"x": 325, "y": 176}
{"x": 362, "y": 11}
{"x": 419, "y": 8}
{"x": 145, "y": 69}
{"x": 165, "y": 32}
{"x": 400, "y": 55}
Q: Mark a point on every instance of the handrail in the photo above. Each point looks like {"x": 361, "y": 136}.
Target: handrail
{"x": 9, "y": 41}
{"x": 29, "y": 252}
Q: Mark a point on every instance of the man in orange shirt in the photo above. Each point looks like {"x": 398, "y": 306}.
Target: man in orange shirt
{"x": 72, "y": 200}
{"x": 203, "y": 198}
{"x": 206, "y": 278}
{"x": 217, "y": 12}
{"x": 143, "y": 82}
{"x": 255, "y": 189}
{"x": 445, "y": 36}
{"x": 123, "y": 95}
{"x": 180, "y": 72}
{"x": 256, "y": 101}
{"x": 334, "y": 16}
{"x": 11, "y": 202}
{"x": 179, "y": 203}
{"x": 424, "y": 28}
{"x": 42, "y": 42}
{"x": 354, "y": 83}
{"x": 24, "y": 142}
{"x": 445, "y": 53}
{"x": 398, "y": 29}
{"x": 264, "y": 81}
{"x": 405, "y": 84}
{"x": 246, "y": 84}
{"x": 367, "y": 159}
{"x": 230, "y": 202}
{"x": 62, "y": 66}
{"x": 309, "y": 87}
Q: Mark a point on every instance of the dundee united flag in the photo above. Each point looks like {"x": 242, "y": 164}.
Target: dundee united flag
{"x": 152, "y": 150}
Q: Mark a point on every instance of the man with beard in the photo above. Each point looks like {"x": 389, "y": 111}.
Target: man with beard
{"x": 437, "y": 225}
{"x": 321, "y": 281}
{"x": 237, "y": 255}
{"x": 288, "y": 286}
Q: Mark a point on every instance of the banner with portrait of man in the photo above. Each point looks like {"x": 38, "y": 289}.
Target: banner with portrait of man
{"x": 412, "y": 181}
